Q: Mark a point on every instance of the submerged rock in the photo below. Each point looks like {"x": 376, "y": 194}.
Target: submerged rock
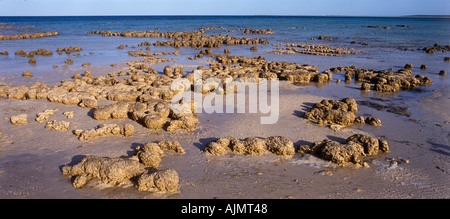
{"x": 68, "y": 50}
{"x": 23, "y": 36}
{"x": 388, "y": 81}
{"x": 27, "y": 74}
{"x": 68, "y": 61}
{"x": 377, "y": 27}
{"x": 327, "y": 38}
{"x": 257, "y": 31}
{"x": 194, "y": 39}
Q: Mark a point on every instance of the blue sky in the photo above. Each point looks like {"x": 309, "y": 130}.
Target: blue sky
{"x": 224, "y": 7}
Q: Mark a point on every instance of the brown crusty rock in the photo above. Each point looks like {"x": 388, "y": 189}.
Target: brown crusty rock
{"x": 23, "y": 36}
{"x": 328, "y": 112}
{"x": 355, "y": 147}
{"x": 152, "y": 153}
{"x": 280, "y": 146}
{"x": 373, "y": 121}
{"x": 21, "y": 119}
{"x": 27, "y": 74}
{"x": 187, "y": 122}
{"x": 108, "y": 170}
{"x": 58, "y": 125}
{"x": 277, "y": 145}
{"x": 115, "y": 171}
{"x": 69, "y": 114}
{"x": 165, "y": 180}
{"x": 104, "y": 130}
{"x": 45, "y": 116}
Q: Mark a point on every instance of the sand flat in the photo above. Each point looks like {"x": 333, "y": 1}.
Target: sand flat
{"x": 31, "y": 156}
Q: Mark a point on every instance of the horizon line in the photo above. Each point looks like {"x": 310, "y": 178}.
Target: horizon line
{"x": 237, "y": 15}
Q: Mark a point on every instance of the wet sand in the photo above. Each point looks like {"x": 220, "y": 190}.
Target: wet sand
{"x": 31, "y": 156}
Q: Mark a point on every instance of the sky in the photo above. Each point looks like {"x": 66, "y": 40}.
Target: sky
{"x": 224, "y": 7}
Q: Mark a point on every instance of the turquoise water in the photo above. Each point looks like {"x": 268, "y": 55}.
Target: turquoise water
{"x": 422, "y": 32}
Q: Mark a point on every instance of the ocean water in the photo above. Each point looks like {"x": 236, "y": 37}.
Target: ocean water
{"x": 385, "y": 48}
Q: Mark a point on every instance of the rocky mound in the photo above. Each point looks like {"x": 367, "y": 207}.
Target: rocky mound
{"x": 327, "y": 112}
{"x": 105, "y": 130}
{"x": 144, "y": 98}
{"x": 338, "y": 112}
{"x": 257, "y": 31}
{"x": 388, "y": 81}
{"x": 314, "y": 49}
{"x": 355, "y": 147}
{"x": 277, "y": 145}
{"x": 151, "y": 154}
{"x": 115, "y": 171}
{"x": 194, "y": 39}
{"x": 24, "y": 36}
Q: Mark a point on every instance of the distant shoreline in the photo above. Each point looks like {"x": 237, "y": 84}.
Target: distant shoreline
{"x": 343, "y": 16}
{"x": 428, "y": 16}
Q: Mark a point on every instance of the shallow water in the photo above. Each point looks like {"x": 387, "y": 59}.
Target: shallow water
{"x": 382, "y": 51}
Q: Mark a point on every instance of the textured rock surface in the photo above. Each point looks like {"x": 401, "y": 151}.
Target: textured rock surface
{"x": 340, "y": 112}
{"x": 108, "y": 170}
{"x": 58, "y": 125}
{"x": 277, "y": 145}
{"x": 356, "y": 146}
{"x": 151, "y": 154}
{"x": 116, "y": 171}
{"x": 104, "y": 130}
{"x": 160, "y": 181}
{"x": 21, "y": 119}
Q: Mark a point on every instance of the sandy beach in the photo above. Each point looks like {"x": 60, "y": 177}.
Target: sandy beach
{"x": 32, "y": 157}
{"x": 415, "y": 124}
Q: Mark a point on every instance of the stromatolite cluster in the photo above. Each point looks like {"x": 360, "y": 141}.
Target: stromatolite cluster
{"x": 140, "y": 169}
{"x": 24, "y": 36}
{"x": 355, "y": 147}
{"x": 338, "y": 112}
{"x": 277, "y": 145}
